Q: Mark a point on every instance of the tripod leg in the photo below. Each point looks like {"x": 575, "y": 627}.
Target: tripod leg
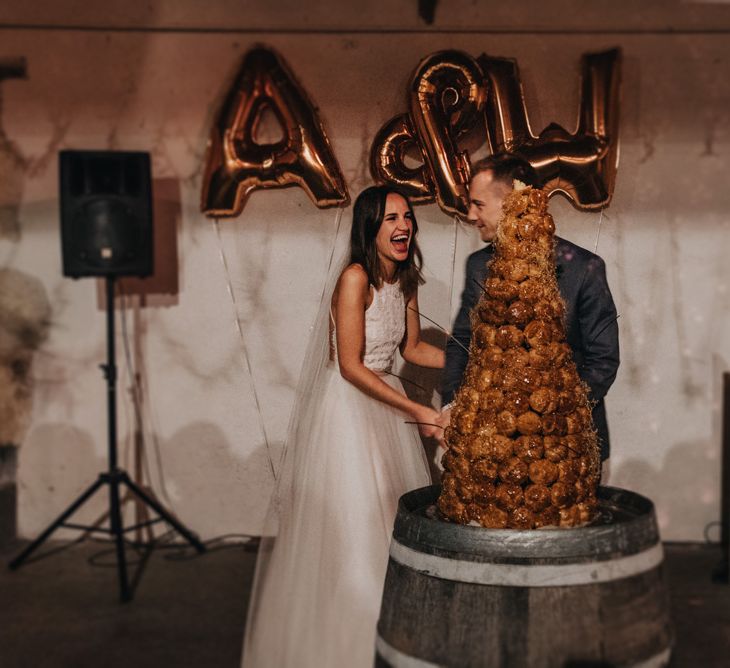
{"x": 160, "y": 510}
{"x": 118, "y": 532}
{"x": 17, "y": 562}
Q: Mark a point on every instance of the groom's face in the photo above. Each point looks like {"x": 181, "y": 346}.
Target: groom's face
{"x": 485, "y": 203}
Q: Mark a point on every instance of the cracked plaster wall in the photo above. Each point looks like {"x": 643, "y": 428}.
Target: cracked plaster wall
{"x": 664, "y": 238}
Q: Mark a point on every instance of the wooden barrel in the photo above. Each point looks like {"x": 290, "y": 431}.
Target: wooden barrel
{"x": 467, "y": 596}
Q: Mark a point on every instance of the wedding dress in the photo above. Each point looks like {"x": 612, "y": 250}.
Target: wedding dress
{"x": 319, "y": 582}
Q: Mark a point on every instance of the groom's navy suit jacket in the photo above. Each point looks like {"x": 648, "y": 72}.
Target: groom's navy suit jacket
{"x": 590, "y": 322}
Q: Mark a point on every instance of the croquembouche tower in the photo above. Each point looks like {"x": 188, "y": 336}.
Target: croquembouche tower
{"x": 522, "y": 450}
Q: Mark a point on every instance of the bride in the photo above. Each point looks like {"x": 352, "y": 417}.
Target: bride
{"x": 350, "y": 454}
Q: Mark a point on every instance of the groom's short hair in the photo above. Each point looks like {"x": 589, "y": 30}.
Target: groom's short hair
{"x": 506, "y": 167}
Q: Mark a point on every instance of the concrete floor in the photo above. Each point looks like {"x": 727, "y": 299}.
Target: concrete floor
{"x": 63, "y": 611}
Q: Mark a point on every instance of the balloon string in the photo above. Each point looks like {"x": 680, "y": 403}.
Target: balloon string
{"x": 598, "y": 234}
{"x": 244, "y": 348}
{"x": 453, "y": 266}
{"x": 333, "y": 248}
{"x": 338, "y": 219}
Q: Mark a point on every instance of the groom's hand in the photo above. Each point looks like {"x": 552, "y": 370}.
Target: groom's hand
{"x": 443, "y": 421}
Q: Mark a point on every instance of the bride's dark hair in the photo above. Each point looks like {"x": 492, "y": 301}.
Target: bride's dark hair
{"x": 367, "y": 217}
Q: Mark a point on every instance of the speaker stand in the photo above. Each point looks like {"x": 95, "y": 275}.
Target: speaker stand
{"x": 114, "y": 478}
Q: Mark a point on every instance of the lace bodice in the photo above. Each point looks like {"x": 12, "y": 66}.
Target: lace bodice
{"x": 385, "y": 325}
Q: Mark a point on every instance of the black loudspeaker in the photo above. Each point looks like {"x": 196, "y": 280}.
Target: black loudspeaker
{"x": 106, "y": 213}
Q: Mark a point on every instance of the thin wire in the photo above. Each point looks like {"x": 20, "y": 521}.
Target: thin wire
{"x": 405, "y": 380}
{"x": 132, "y": 372}
{"x": 481, "y": 287}
{"x": 458, "y": 343}
{"x": 244, "y": 348}
{"x": 425, "y": 424}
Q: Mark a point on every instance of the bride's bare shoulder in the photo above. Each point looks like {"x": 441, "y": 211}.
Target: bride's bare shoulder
{"x": 353, "y": 286}
{"x": 353, "y": 277}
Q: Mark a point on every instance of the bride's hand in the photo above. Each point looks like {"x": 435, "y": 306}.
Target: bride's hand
{"x": 443, "y": 421}
{"x": 427, "y": 419}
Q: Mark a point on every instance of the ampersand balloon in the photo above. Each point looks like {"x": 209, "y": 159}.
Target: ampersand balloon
{"x": 447, "y": 99}
{"x": 387, "y": 160}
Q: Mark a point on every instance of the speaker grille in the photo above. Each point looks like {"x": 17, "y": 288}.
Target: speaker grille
{"x": 106, "y": 213}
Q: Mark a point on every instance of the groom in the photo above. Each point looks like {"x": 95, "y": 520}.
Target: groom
{"x": 590, "y": 315}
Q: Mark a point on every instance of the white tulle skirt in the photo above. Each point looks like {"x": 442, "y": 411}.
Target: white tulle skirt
{"x": 318, "y": 587}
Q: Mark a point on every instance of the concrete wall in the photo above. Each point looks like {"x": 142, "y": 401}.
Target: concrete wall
{"x": 152, "y": 81}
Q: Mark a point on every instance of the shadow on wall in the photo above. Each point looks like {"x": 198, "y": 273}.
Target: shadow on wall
{"x": 683, "y": 491}
{"x": 187, "y": 471}
{"x": 192, "y": 468}
{"x": 62, "y": 461}
{"x": 421, "y": 385}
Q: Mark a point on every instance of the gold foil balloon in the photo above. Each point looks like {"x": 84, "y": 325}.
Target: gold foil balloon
{"x": 582, "y": 165}
{"x": 387, "y": 160}
{"x": 452, "y": 94}
{"x": 447, "y": 99}
{"x": 236, "y": 164}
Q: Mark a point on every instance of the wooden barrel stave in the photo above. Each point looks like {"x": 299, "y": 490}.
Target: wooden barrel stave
{"x": 428, "y": 620}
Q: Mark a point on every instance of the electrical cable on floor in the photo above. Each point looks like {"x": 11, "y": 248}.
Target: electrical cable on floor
{"x": 706, "y": 532}
{"x": 182, "y": 551}
{"x": 186, "y": 553}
